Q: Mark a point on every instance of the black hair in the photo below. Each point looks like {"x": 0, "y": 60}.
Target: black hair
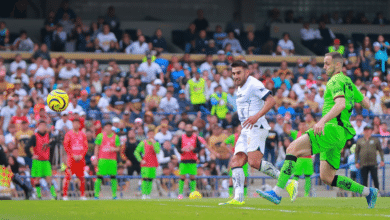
{"x": 240, "y": 63}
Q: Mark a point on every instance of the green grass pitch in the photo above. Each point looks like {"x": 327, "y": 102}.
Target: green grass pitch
{"x": 255, "y": 208}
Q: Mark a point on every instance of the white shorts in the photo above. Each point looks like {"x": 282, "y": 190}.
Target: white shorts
{"x": 251, "y": 140}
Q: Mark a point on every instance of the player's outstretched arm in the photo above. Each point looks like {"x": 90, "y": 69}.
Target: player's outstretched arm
{"x": 365, "y": 103}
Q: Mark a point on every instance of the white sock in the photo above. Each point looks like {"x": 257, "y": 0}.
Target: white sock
{"x": 366, "y": 191}
{"x": 269, "y": 169}
{"x": 238, "y": 183}
{"x": 277, "y": 190}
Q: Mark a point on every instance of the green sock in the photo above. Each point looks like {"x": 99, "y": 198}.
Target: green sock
{"x": 98, "y": 183}
{"x": 181, "y": 186}
{"x": 231, "y": 191}
{"x": 53, "y": 191}
{"x": 286, "y": 171}
{"x": 114, "y": 187}
{"x": 39, "y": 194}
{"x": 307, "y": 185}
{"x": 150, "y": 187}
{"x": 245, "y": 191}
{"x": 295, "y": 177}
{"x": 144, "y": 187}
{"x": 348, "y": 184}
{"x": 193, "y": 185}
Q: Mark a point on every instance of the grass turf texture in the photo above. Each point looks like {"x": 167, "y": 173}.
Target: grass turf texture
{"x": 256, "y": 208}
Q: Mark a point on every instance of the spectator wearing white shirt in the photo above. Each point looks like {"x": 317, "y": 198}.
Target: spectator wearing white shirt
{"x": 169, "y": 104}
{"x": 18, "y": 62}
{"x": 23, "y": 43}
{"x": 105, "y": 38}
{"x": 74, "y": 107}
{"x": 375, "y": 107}
{"x": 149, "y": 70}
{"x": 157, "y": 83}
{"x": 226, "y": 81}
{"x": 208, "y": 67}
{"x": 67, "y": 72}
{"x": 138, "y": 47}
{"x": 319, "y": 98}
{"x": 300, "y": 89}
{"x": 64, "y": 124}
{"x": 32, "y": 68}
{"x": 286, "y": 44}
{"x": 312, "y": 67}
{"x": 163, "y": 135}
{"x": 358, "y": 125}
{"x": 105, "y": 100}
{"x": 7, "y": 112}
{"x": 20, "y": 75}
{"x": 45, "y": 74}
{"x": 235, "y": 44}
{"x": 19, "y": 90}
{"x": 311, "y": 38}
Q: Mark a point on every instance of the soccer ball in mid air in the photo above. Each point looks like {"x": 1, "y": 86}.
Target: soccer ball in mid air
{"x": 57, "y": 100}
{"x": 195, "y": 195}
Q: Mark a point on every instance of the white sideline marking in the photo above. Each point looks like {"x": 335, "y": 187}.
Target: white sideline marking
{"x": 288, "y": 211}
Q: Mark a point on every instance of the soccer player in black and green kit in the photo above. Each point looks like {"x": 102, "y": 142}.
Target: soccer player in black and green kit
{"x": 328, "y": 136}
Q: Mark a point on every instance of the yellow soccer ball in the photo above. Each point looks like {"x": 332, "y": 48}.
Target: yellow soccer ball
{"x": 57, "y": 100}
{"x": 195, "y": 195}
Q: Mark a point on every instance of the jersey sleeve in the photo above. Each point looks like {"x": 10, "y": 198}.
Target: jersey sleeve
{"x": 139, "y": 150}
{"x": 357, "y": 95}
{"x": 336, "y": 89}
{"x": 294, "y": 134}
{"x": 117, "y": 141}
{"x": 230, "y": 140}
{"x": 99, "y": 138}
{"x": 260, "y": 91}
{"x": 67, "y": 144}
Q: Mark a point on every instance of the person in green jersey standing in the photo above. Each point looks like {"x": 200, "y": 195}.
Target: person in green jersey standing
{"x": 149, "y": 149}
{"x": 232, "y": 140}
{"x": 107, "y": 146}
{"x": 328, "y": 136}
{"x": 304, "y": 165}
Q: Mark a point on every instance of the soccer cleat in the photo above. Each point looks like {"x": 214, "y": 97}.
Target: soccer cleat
{"x": 270, "y": 196}
{"x": 148, "y": 197}
{"x": 115, "y": 198}
{"x": 232, "y": 202}
{"x": 307, "y": 195}
{"x": 371, "y": 198}
{"x": 292, "y": 189}
{"x": 65, "y": 198}
{"x": 144, "y": 197}
{"x": 83, "y": 198}
{"x": 180, "y": 197}
{"x": 96, "y": 198}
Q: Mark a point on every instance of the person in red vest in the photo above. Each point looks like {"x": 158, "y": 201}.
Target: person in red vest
{"x": 41, "y": 167}
{"x": 76, "y": 147}
{"x": 149, "y": 149}
{"x": 107, "y": 146}
{"x": 188, "y": 146}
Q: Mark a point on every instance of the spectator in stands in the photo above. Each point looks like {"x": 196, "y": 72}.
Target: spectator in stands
{"x": 197, "y": 91}
{"x": 164, "y": 135}
{"x": 169, "y": 104}
{"x": 18, "y": 62}
{"x": 251, "y": 45}
{"x": 289, "y": 17}
{"x": 200, "y": 22}
{"x": 58, "y": 39}
{"x": 367, "y": 54}
{"x": 312, "y": 67}
{"x": 66, "y": 23}
{"x": 111, "y": 19}
{"x": 125, "y": 42}
{"x": 208, "y": 67}
{"x": 158, "y": 41}
{"x": 311, "y": 38}
{"x": 4, "y": 32}
{"x": 184, "y": 104}
{"x": 381, "y": 56}
{"x": 362, "y": 19}
{"x": 235, "y": 44}
{"x": 64, "y": 8}
{"x": 366, "y": 154}
{"x": 23, "y": 42}
{"x": 335, "y": 19}
{"x": 105, "y": 38}
{"x": 7, "y": 112}
{"x": 219, "y": 36}
{"x": 211, "y": 48}
{"x": 6, "y": 45}
{"x": 379, "y": 19}
{"x": 236, "y": 25}
{"x": 326, "y": 34}
{"x": 42, "y": 52}
{"x": 226, "y": 82}
{"x": 336, "y": 47}
{"x": 138, "y": 47}
{"x": 201, "y": 42}
{"x": 68, "y": 71}
{"x": 352, "y": 55}
{"x": 219, "y": 103}
{"x": 45, "y": 74}
{"x": 64, "y": 124}
{"x": 286, "y": 44}
{"x": 50, "y": 27}
{"x": 20, "y": 75}
{"x": 300, "y": 88}
{"x": 79, "y": 37}
{"x": 216, "y": 141}
{"x": 149, "y": 71}
{"x": 189, "y": 38}
{"x": 385, "y": 99}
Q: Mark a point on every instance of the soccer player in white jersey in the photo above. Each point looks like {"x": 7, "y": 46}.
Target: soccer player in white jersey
{"x": 253, "y": 102}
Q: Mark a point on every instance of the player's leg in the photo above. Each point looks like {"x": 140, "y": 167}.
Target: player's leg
{"x": 193, "y": 171}
{"x": 246, "y": 174}
{"x": 308, "y": 170}
{"x": 298, "y": 171}
{"x": 374, "y": 175}
{"x": 183, "y": 168}
{"x": 151, "y": 176}
{"x": 230, "y": 181}
{"x": 36, "y": 173}
{"x": 78, "y": 169}
{"x": 46, "y": 169}
{"x": 102, "y": 170}
{"x": 364, "y": 174}
{"x": 68, "y": 174}
{"x": 113, "y": 170}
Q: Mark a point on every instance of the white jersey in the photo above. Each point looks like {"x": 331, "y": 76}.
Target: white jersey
{"x": 250, "y": 100}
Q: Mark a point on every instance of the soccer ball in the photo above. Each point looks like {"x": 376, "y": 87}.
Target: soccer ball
{"x": 58, "y": 100}
{"x": 195, "y": 195}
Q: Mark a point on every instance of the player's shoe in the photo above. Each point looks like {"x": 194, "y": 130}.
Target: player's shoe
{"x": 96, "y": 198}
{"x": 115, "y": 198}
{"x": 270, "y": 196}
{"x": 292, "y": 189}
{"x": 148, "y": 197}
{"x": 65, "y": 198}
{"x": 83, "y": 198}
{"x": 371, "y": 198}
{"x": 232, "y": 202}
{"x": 144, "y": 197}
{"x": 180, "y": 197}
{"x": 54, "y": 198}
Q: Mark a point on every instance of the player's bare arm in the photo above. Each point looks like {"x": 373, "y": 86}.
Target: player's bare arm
{"x": 334, "y": 112}
{"x": 365, "y": 103}
{"x": 268, "y": 104}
